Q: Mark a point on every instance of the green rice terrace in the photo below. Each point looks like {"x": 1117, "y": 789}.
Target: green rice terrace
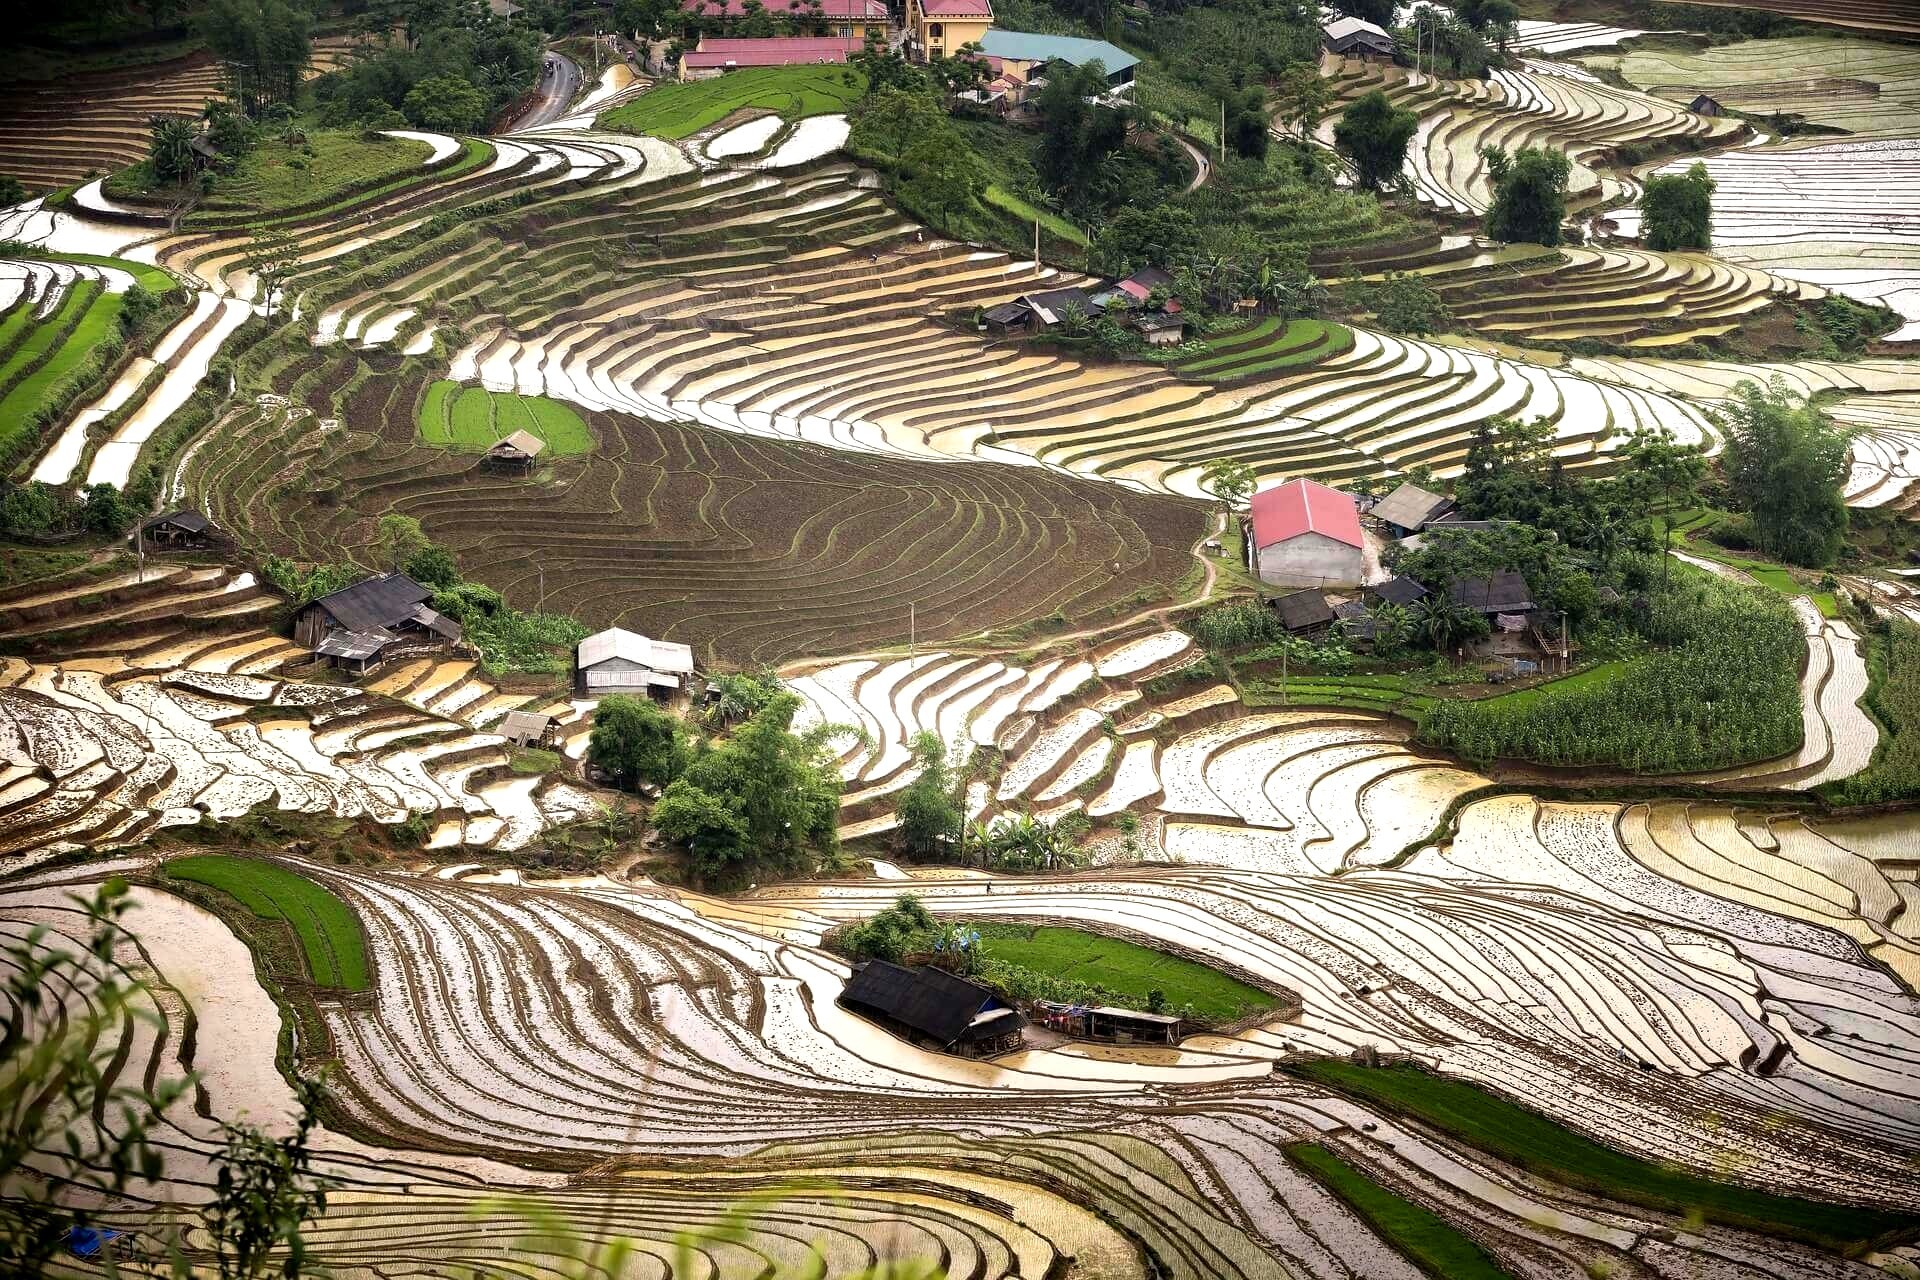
{"x": 472, "y": 418}
{"x": 663, "y": 642}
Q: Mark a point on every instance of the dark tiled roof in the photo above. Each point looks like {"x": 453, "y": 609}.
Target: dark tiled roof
{"x": 191, "y": 521}
{"x": 377, "y": 602}
{"x": 1008, "y": 312}
{"x": 1504, "y": 592}
{"x": 1401, "y": 590}
{"x": 931, "y": 1001}
{"x": 1303, "y": 609}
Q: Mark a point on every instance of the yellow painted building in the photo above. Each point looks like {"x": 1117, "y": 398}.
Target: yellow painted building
{"x": 940, "y": 28}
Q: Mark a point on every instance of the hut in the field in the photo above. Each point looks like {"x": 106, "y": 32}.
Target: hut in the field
{"x": 527, "y": 729}
{"x": 1132, "y": 1026}
{"x": 1303, "y": 613}
{"x": 183, "y": 530}
{"x": 1706, "y": 106}
{"x": 1304, "y": 534}
{"x": 618, "y": 661}
{"x": 933, "y": 1007}
{"x": 513, "y": 453}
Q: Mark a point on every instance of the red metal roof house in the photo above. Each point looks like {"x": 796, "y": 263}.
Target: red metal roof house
{"x": 1303, "y": 534}
{"x": 716, "y": 55}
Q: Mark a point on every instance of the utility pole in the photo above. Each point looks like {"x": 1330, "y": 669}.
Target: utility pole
{"x": 541, "y": 569}
{"x": 913, "y": 629}
{"x": 1220, "y": 139}
{"x": 140, "y": 549}
{"x": 1283, "y": 675}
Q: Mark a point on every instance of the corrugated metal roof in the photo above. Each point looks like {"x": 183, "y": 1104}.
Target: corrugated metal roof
{"x": 1410, "y": 506}
{"x": 616, "y": 642}
{"x": 773, "y": 51}
{"x": 374, "y": 603}
{"x": 1028, "y": 46}
{"x": 1304, "y": 506}
{"x": 1341, "y": 28}
{"x": 353, "y": 645}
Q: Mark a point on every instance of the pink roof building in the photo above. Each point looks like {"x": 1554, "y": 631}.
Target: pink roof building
{"x": 775, "y": 51}
{"x": 957, "y": 8}
{"x": 1306, "y": 535}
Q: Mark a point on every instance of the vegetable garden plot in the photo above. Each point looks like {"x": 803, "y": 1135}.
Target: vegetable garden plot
{"x": 471, "y": 419}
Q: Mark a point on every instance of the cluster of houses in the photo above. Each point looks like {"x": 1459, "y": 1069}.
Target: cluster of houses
{"x": 1325, "y": 543}
{"x": 1017, "y": 61}
{"x": 1139, "y": 302}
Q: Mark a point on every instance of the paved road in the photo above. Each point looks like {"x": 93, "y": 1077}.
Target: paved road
{"x": 559, "y": 82}
{"x": 1202, "y": 167}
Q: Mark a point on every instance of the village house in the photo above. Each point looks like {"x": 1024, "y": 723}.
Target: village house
{"x": 1357, "y": 38}
{"x": 527, "y": 729}
{"x": 356, "y": 628}
{"x": 935, "y": 1008}
{"x": 183, "y": 530}
{"x": 718, "y": 55}
{"x": 1399, "y": 590}
{"x": 1304, "y": 534}
{"x": 1705, "y": 106}
{"x": 1303, "y": 613}
{"x": 619, "y": 661}
{"x": 941, "y": 28}
{"x": 1025, "y": 55}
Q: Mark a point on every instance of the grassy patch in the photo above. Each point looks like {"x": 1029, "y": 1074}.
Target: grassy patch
{"x": 1426, "y": 1238}
{"x": 274, "y": 176}
{"x": 473, "y": 418}
{"x": 328, "y": 931}
{"x": 1526, "y": 1138}
{"x": 685, "y": 107}
{"x": 20, "y": 565}
{"x": 1026, "y": 212}
{"x": 527, "y": 761}
{"x": 1128, "y": 970}
{"x": 1267, "y": 345}
{"x": 87, "y": 317}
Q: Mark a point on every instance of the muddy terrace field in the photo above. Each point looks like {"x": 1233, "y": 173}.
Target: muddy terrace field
{"x": 750, "y": 550}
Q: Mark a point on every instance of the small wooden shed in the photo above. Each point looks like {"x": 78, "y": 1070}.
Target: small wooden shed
{"x": 516, "y": 452}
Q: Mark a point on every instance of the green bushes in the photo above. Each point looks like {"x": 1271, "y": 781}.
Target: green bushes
{"x": 1723, "y": 690}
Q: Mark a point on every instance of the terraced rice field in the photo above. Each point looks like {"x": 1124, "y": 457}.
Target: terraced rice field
{"x": 748, "y": 549}
{"x": 473, "y": 418}
{"x": 58, "y": 133}
{"x": 1542, "y": 103}
{"x": 684, "y": 108}
{"x": 1858, "y": 15}
{"x": 788, "y": 456}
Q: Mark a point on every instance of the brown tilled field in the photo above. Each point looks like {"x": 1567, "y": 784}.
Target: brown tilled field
{"x": 751, "y": 550}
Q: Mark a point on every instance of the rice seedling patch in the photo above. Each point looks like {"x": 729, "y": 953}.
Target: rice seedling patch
{"x": 326, "y": 927}
{"x": 1131, "y": 971}
{"x": 688, "y": 106}
{"x": 473, "y": 418}
{"x": 1425, "y": 1237}
{"x": 1512, "y": 1132}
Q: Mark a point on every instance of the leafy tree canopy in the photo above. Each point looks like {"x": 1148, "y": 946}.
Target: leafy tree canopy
{"x": 1676, "y": 210}
{"x": 1373, "y": 134}
{"x": 1786, "y": 462}
{"x": 1529, "y": 194}
{"x": 637, "y": 742}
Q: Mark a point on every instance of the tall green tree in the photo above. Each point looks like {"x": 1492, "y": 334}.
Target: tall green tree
{"x": 447, "y": 103}
{"x": 1373, "y": 134}
{"x": 1663, "y": 467}
{"x": 1230, "y": 480}
{"x": 637, "y": 742}
{"x": 1676, "y": 210}
{"x": 928, "y": 811}
{"x": 1529, "y": 194}
{"x": 1786, "y": 463}
{"x": 265, "y": 46}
